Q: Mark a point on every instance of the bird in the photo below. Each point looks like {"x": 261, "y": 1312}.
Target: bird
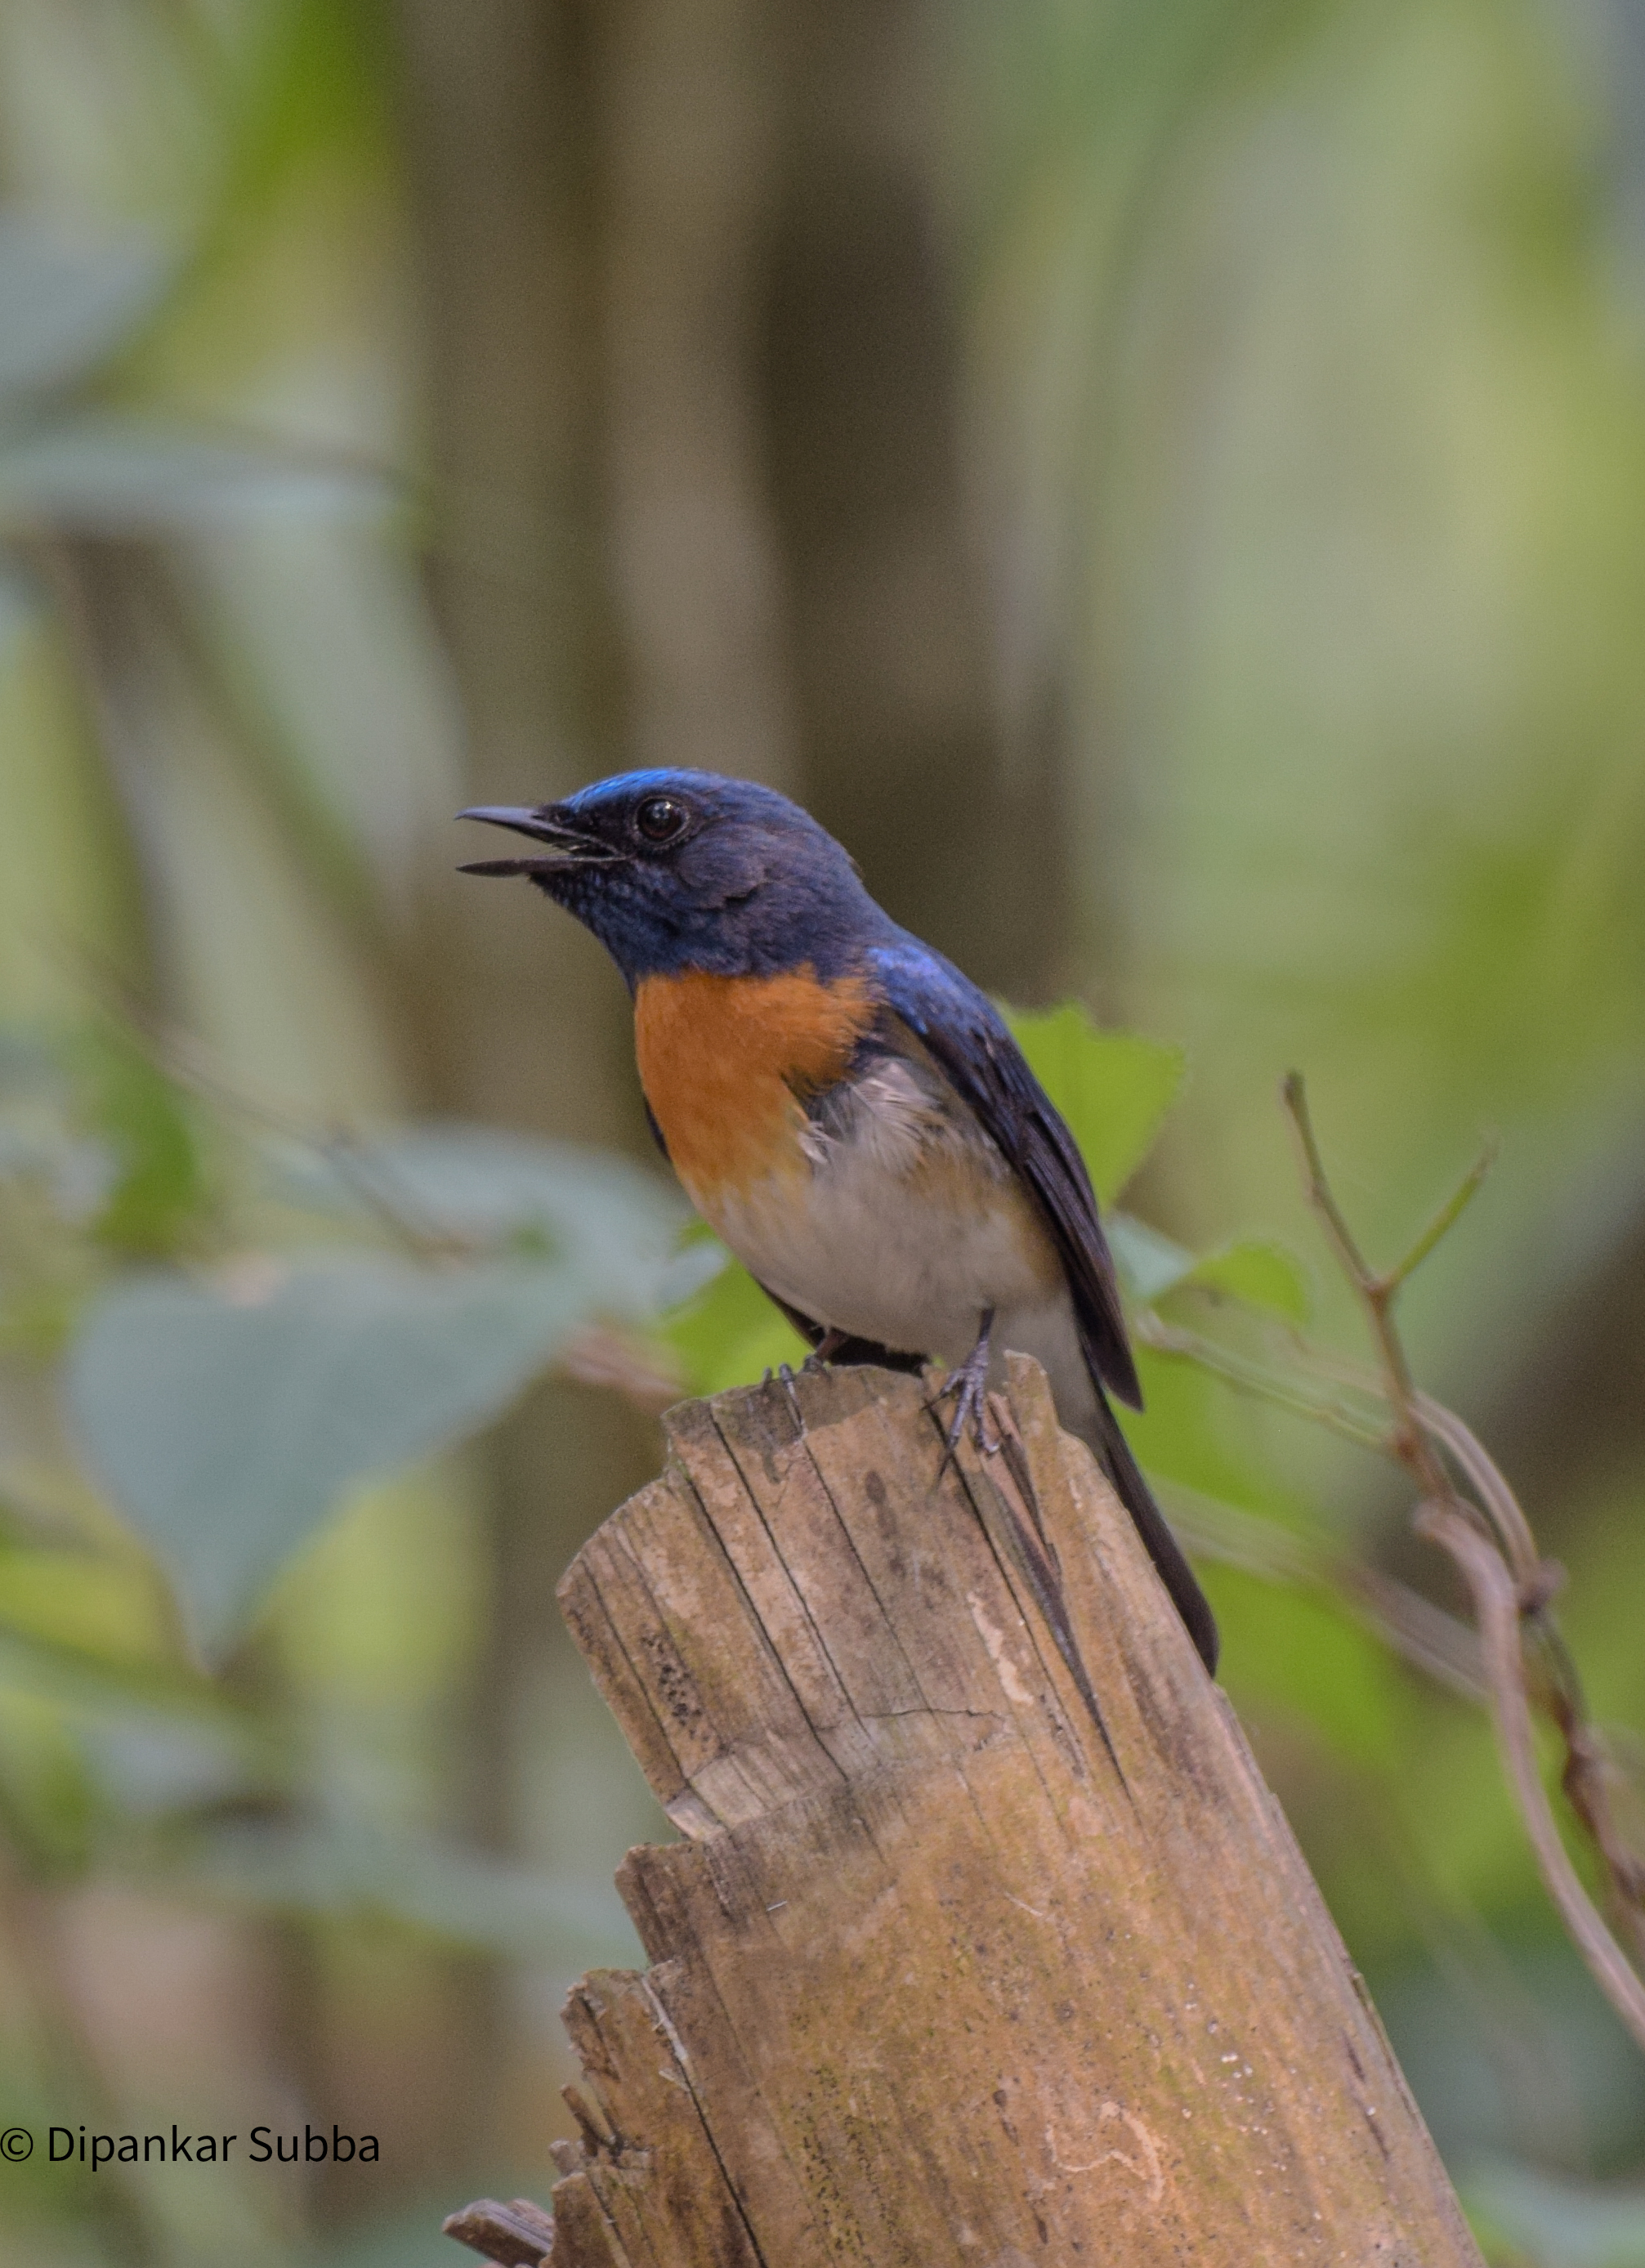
{"x": 847, "y": 1110}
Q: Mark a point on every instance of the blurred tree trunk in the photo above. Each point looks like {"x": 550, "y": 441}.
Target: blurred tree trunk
{"x": 690, "y": 128}
{"x": 529, "y": 1022}
{"x": 502, "y": 145}
{"x": 692, "y": 386}
{"x": 903, "y": 755}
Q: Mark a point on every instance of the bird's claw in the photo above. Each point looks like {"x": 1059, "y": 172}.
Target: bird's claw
{"x": 785, "y": 1378}
{"x": 969, "y": 1386}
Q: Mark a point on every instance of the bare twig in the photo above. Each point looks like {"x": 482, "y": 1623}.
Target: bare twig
{"x": 1377, "y": 1292}
{"x": 1512, "y": 1585}
{"x": 1301, "y": 1399}
{"x": 1446, "y": 1218}
{"x": 1496, "y": 1605}
{"x": 1499, "y": 1500}
{"x": 1442, "y": 1425}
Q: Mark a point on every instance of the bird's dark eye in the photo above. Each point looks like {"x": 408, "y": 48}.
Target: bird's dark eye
{"x": 660, "y": 818}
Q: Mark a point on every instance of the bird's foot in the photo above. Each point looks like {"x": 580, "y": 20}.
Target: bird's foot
{"x": 969, "y": 1386}
{"x": 785, "y": 1376}
{"x": 823, "y": 1353}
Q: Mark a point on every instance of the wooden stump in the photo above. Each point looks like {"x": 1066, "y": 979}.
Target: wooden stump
{"x": 985, "y": 1943}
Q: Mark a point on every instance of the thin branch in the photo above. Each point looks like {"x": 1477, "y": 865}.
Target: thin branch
{"x": 1512, "y": 1586}
{"x": 1377, "y": 1294}
{"x": 1446, "y": 1218}
{"x": 1586, "y": 1780}
{"x": 1445, "y": 1426}
{"x": 1253, "y": 1379}
{"x": 1485, "y": 1478}
{"x": 1427, "y": 1636}
{"x": 1496, "y": 1606}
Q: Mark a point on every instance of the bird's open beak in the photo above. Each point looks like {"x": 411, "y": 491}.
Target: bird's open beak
{"x": 569, "y": 846}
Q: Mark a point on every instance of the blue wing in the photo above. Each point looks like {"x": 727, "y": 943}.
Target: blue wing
{"x": 971, "y": 1043}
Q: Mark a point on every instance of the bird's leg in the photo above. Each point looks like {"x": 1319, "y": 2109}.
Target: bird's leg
{"x": 969, "y": 1386}
{"x": 821, "y": 1356}
{"x": 825, "y": 1351}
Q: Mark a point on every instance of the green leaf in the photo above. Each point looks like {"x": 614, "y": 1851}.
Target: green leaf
{"x": 1260, "y": 1275}
{"x": 1256, "y": 1271}
{"x": 1150, "y": 1264}
{"x": 1113, "y": 1088}
{"x": 730, "y": 1334}
{"x": 227, "y": 1418}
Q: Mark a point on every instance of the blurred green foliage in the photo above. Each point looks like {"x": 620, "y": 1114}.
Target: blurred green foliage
{"x": 231, "y": 1396}
{"x": 229, "y": 1402}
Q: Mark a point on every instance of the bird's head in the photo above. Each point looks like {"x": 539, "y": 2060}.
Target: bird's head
{"x": 678, "y": 870}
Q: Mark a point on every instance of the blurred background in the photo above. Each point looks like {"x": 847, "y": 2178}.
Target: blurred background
{"x": 1164, "y": 482}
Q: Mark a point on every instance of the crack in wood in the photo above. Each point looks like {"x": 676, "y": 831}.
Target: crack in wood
{"x": 986, "y": 1944}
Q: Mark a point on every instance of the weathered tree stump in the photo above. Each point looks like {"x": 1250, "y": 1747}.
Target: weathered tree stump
{"x": 985, "y": 1943}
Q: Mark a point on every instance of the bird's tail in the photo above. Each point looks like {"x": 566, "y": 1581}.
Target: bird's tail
{"x": 1112, "y": 1453}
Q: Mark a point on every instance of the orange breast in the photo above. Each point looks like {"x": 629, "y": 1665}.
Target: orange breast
{"x": 725, "y": 1061}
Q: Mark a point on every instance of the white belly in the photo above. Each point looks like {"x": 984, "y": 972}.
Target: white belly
{"x": 907, "y": 1229}
{"x": 863, "y": 1254}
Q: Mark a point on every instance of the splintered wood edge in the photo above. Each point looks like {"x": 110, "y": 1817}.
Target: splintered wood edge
{"x": 519, "y": 2234}
{"x": 1117, "y": 1601}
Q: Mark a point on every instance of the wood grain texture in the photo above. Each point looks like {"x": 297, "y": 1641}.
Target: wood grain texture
{"x": 944, "y": 1970}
